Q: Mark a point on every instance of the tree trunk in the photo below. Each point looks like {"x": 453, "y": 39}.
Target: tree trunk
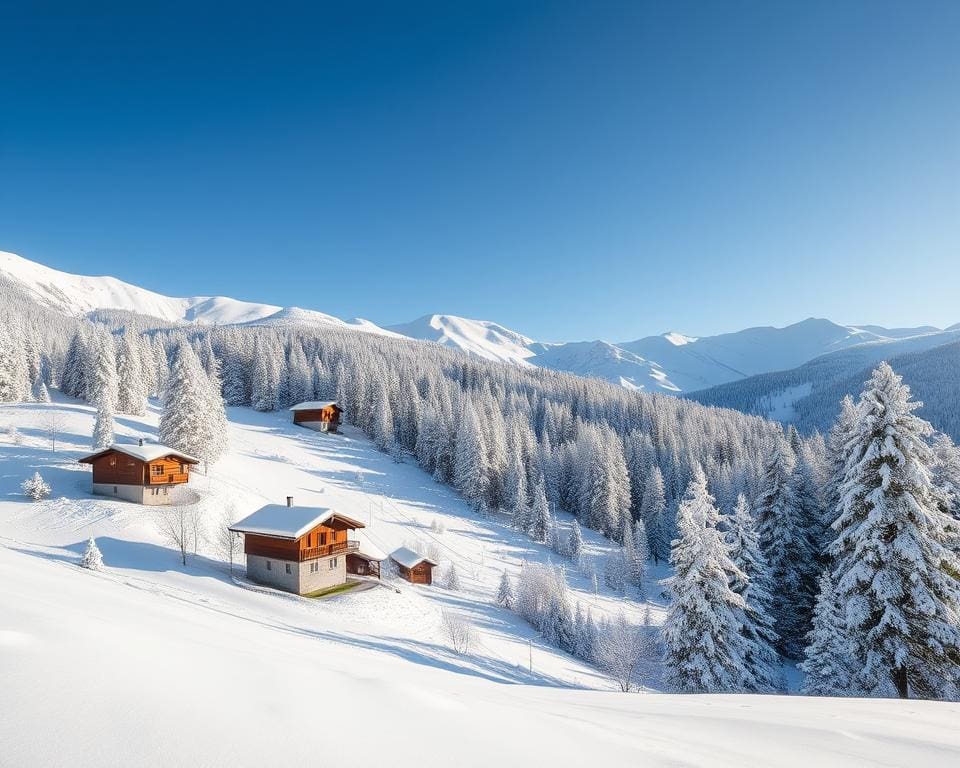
{"x": 900, "y": 680}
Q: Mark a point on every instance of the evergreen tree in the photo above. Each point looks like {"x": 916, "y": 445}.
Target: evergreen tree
{"x": 469, "y": 460}
{"x": 131, "y": 388}
{"x": 505, "y": 592}
{"x": 540, "y": 526}
{"x": 103, "y": 428}
{"x": 786, "y": 546}
{"x": 92, "y": 559}
{"x": 828, "y": 664}
{"x": 193, "y": 419}
{"x": 762, "y": 661}
{"x": 575, "y": 545}
{"x": 897, "y": 582}
{"x": 653, "y": 512}
{"x": 704, "y": 648}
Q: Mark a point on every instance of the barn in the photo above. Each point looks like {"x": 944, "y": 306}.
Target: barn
{"x": 319, "y": 415}
{"x": 145, "y": 474}
{"x": 413, "y": 566}
{"x": 297, "y": 549}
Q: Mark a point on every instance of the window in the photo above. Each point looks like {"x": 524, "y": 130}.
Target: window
{"x": 333, "y": 563}
{"x": 288, "y": 567}
{"x": 314, "y": 567}
{"x": 114, "y": 490}
{"x": 156, "y": 470}
{"x": 269, "y": 567}
{"x": 184, "y": 468}
{"x": 113, "y": 461}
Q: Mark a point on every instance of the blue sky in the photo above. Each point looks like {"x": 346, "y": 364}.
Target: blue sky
{"x": 572, "y": 170}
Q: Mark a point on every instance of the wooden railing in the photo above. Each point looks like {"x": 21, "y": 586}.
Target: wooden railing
{"x": 326, "y": 550}
{"x": 167, "y": 478}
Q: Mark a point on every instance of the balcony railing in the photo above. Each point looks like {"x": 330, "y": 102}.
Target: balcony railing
{"x": 168, "y": 478}
{"x": 326, "y": 550}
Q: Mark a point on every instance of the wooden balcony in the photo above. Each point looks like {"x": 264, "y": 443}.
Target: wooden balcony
{"x": 168, "y": 478}
{"x": 326, "y": 550}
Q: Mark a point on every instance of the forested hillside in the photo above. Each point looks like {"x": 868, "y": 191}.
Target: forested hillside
{"x": 760, "y": 526}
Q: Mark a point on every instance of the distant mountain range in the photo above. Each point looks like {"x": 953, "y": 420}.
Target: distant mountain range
{"x": 671, "y": 363}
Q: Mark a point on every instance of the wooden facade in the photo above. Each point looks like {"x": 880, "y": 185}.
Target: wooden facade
{"x": 422, "y": 573}
{"x": 117, "y": 468}
{"x": 324, "y": 540}
{"x": 328, "y": 416}
{"x": 362, "y": 565}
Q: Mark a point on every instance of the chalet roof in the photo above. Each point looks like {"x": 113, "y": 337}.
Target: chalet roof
{"x": 410, "y": 559}
{"x": 315, "y": 405}
{"x": 283, "y": 522}
{"x": 368, "y": 550}
{"x": 146, "y": 453}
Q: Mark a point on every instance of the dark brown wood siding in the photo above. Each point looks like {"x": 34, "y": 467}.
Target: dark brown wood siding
{"x": 267, "y": 546}
{"x": 329, "y": 414}
{"x": 118, "y": 469}
{"x": 419, "y": 574}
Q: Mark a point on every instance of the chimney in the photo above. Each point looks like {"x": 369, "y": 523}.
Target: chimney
{"x": 289, "y": 501}
{"x": 140, "y": 442}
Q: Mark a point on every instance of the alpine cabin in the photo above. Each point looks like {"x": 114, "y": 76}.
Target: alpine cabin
{"x": 413, "y": 566}
{"x": 144, "y": 474}
{"x": 322, "y": 416}
{"x": 297, "y": 549}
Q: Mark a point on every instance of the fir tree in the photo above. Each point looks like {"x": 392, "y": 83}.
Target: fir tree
{"x": 786, "y": 546}
{"x": 895, "y": 578}
{"x": 575, "y": 545}
{"x": 540, "y": 513}
{"x": 762, "y": 661}
{"x": 704, "y": 648}
{"x": 505, "y": 596}
{"x": 653, "y": 512}
{"x": 828, "y": 664}
{"x": 469, "y": 461}
{"x": 92, "y": 559}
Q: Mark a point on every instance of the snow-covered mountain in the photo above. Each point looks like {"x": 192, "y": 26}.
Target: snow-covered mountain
{"x": 670, "y": 363}
{"x": 476, "y": 337}
{"x": 80, "y": 294}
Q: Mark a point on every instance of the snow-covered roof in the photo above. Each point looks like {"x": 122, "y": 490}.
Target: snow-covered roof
{"x": 368, "y": 550}
{"x": 314, "y": 405}
{"x": 147, "y": 452}
{"x": 283, "y": 522}
{"x": 410, "y": 559}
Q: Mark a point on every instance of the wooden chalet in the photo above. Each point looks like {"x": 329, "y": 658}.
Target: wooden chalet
{"x": 413, "y": 566}
{"x": 322, "y": 416}
{"x": 297, "y": 549}
{"x": 144, "y": 474}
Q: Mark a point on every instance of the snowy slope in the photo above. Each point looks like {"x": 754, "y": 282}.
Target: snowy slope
{"x": 481, "y": 338}
{"x": 79, "y": 294}
{"x": 599, "y": 359}
{"x": 150, "y": 663}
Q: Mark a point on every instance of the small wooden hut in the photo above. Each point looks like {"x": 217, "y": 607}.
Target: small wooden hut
{"x": 321, "y": 416}
{"x": 413, "y": 566}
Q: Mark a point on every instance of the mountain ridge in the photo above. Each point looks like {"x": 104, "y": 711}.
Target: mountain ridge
{"x": 670, "y": 363}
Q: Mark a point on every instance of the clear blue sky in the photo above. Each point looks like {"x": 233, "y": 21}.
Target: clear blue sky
{"x": 572, "y": 170}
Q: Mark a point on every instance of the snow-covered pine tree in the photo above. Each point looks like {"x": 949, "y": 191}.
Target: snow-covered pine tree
{"x": 653, "y": 512}
{"x": 575, "y": 545}
{"x": 634, "y": 555}
{"x": 103, "y": 426}
{"x": 36, "y": 487}
{"x": 505, "y": 596}
{"x": 897, "y": 581}
{"x": 786, "y": 545}
{"x": 451, "y": 579}
{"x": 762, "y": 660}
{"x": 131, "y": 387}
{"x": 704, "y": 648}
{"x": 540, "y": 514}
{"x": 469, "y": 459}
{"x": 92, "y": 559}
{"x": 193, "y": 418}
{"x": 615, "y": 570}
{"x": 828, "y": 663}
